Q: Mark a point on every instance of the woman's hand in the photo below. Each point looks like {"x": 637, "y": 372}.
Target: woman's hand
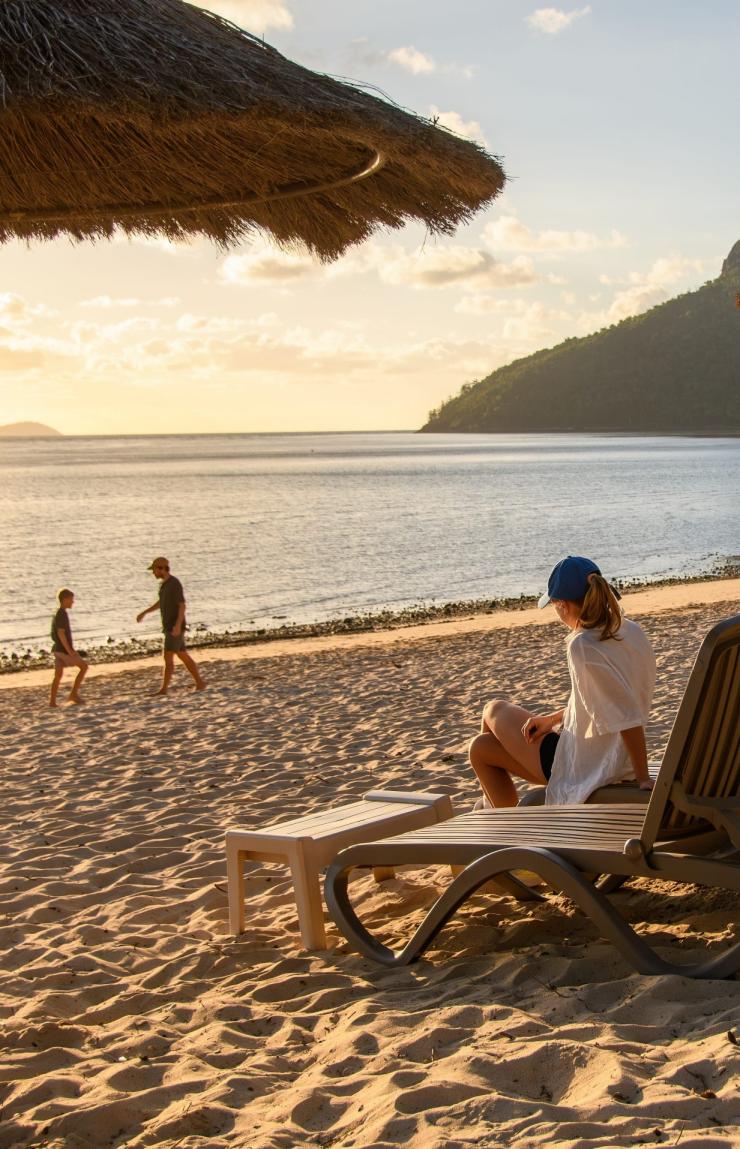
{"x": 536, "y": 727}
{"x": 634, "y": 740}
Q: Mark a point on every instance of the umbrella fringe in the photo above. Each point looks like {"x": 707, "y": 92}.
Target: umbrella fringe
{"x": 155, "y": 116}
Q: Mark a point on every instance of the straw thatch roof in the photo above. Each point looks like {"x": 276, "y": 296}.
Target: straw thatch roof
{"x": 158, "y": 117}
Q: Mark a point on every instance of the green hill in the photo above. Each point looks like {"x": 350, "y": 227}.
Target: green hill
{"x": 676, "y": 368}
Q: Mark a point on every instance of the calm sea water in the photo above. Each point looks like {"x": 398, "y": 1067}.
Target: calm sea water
{"x": 264, "y": 529}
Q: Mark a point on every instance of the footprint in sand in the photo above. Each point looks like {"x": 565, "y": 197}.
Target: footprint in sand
{"x": 318, "y": 1112}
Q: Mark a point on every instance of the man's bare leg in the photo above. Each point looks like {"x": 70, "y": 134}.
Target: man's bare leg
{"x": 167, "y": 671}
{"x": 192, "y": 667}
{"x": 500, "y": 751}
{"x": 58, "y": 672}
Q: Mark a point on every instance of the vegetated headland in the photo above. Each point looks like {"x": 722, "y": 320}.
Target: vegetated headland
{"x": 29, "y": 431}
{"x": 673, "y": 370}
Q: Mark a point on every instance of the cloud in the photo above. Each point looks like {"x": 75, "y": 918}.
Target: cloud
{"x": 263, "y": 262}
{"x": 646, "y": 290}
{"x": 14, "y": 310}
{"x": 255, "y": 16}
{"x": 201, "y": 325}
{"x": 508, "y": 234}
{"x": 641, "y": 291}
{"x": 106, "y": 302}
{"x": 525, "y": 324}
{"x": 18, "y": 359}
{"x": 335, "y": 352}
{"x": 411, "y": 60}
{"x": 363, "y": 53}
{"x": 470, "y": 129}
{"x": 142, "y": 352}
{"x": 508, "y": 308}
{"x": 426, "y": 268}
{"x": 186, "y": 246}
{"x": 454, "y": 267}
{"x": 551, "y": 21}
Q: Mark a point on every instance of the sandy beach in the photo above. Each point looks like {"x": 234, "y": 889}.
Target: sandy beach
{"x": 132, "y": 1018}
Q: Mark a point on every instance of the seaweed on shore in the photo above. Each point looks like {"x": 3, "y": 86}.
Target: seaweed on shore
{"x": 418, "y": 614}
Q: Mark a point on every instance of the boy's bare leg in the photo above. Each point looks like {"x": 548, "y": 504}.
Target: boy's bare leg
{"x": 74, "y": 694}
{"x": 169, "y": 666}
{"x": 58, "y": 672}
{"x": 192, "y": 667}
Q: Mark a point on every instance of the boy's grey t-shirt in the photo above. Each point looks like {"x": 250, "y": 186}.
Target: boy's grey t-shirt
{"x": 59, "y": 622}
{"x": 170, "y": 596}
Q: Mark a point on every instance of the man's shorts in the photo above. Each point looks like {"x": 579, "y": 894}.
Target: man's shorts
{"x": 174, "y": 642}
{"x": 61, "y": 658}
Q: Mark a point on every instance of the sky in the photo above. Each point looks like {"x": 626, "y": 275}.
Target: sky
{"x": 616, "y": 122}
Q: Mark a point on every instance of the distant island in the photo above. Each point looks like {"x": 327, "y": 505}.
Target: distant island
{"x": 28, "y": 431}
{"x": 676, "y": 368}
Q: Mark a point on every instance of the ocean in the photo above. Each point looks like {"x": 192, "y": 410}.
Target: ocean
{"x": 271, "y": 529}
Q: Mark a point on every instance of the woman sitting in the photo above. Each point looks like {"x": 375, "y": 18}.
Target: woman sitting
{"x": 599, "y": 738}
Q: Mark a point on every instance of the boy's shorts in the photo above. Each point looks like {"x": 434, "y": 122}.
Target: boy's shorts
{"x": 174, "y": 642}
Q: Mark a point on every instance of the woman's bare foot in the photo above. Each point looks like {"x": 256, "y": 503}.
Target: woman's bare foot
{"x": 75, "y": 699}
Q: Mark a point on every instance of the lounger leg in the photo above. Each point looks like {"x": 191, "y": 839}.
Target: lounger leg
{"x": 236, "y": 887}
{"x": 556, "y": 872}
{"x": 610, "y": 883}
{"x": 506, "y": 884}
{"x": 308, "y": 900}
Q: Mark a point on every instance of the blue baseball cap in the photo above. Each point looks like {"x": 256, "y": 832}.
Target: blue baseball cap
{"x": 568, "y": 580}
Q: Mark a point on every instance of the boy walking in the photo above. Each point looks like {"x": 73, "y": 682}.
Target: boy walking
{"x": 63, "y": 649}
{"x": 171, "y": 606}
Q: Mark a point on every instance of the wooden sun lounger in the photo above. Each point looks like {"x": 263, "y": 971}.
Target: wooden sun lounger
{"x": 689, "y": 831}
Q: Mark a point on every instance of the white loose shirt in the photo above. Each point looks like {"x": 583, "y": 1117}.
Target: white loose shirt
{"x": 611, "y": 690}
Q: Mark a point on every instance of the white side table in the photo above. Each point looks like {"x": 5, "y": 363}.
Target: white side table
{"x": 309, "y": 843}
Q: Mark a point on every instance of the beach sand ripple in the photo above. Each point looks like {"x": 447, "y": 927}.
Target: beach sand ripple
{"x": 132, "y": 1018}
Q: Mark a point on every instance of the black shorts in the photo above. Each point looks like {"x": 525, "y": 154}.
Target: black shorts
{"x": 548, "y": 746}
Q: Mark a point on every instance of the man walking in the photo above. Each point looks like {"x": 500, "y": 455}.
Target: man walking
{"x": 171, "y": 605}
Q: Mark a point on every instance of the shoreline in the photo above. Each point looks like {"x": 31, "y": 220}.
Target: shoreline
{"x": 134, "y": 649}
{"x": 389, "y": 628}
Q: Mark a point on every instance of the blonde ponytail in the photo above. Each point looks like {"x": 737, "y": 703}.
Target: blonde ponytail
{"x": 600, "y": 608}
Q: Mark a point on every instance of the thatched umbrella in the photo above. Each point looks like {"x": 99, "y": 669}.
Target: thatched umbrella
{"x": 158, "y": 117}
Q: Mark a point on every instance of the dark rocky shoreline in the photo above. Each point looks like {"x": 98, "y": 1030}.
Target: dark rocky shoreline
{"x": 200, "y": 637}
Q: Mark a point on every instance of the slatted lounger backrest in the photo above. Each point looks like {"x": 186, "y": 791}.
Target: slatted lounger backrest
{"x": 703, "y": 752}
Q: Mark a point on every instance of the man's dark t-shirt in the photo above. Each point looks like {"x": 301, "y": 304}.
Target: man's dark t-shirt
{"x": 60, "y": 621}
{"x": 170, "y": 596}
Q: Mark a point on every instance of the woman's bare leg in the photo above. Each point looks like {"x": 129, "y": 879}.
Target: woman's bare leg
{"x": 500, "y": 751}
